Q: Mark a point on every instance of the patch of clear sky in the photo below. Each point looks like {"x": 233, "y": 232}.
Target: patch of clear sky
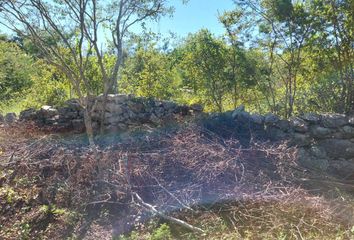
{"x": 187, "y": 18}
{"x": 191, "y": 17}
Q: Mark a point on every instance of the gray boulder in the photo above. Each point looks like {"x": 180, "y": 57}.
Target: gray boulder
{"x": 270, "y": 118}
{"x": 74, "y": 104}
{"x": 307, "y": 161}
{"x": 10, "y": 117}
{"x": 320, "y": 132}
{"x": 311, "y": 117}
{"x": 333, "y": 120}
{"x": 2, "y": 119}
{"x": 301, "y": 140}
{"x": 197, "y": 108}
{"x": 238, "y": 111}
{"x": 284, "y": 125}
{"x": 338, "y": 148}
{"x": 68, "y": 113}
{"x": 257, "y": 118}
{"x": 318, "y": 152}
{"x": 351, "y": 121}
{"x": 28, "y": 114}
{"x": 343, "y": 168}
{"x": 48, "y": 112}
{"x": 299, "y": 124}
{"x": 274, "y": 133}
{"x": 170, "y": 106}
{"x": 78, "y": 124}
{"x": 114, "y": 108}
{"x": 136, "y": 106}
{"x": 243, "y": 118}
{"x": 348, "y": 131}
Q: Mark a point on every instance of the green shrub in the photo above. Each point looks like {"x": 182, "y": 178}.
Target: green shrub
{"x": 162, "y": 233}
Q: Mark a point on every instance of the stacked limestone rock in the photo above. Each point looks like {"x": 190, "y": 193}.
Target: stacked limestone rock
{"x": 325, "y": 141}
{"x": 124, "y": 111}
{"x": 121, "y": 112}
{"x": 8, "y": 118}
{"x": 63, "y": 117}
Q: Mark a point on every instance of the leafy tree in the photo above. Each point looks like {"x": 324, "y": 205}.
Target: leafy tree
{"x": 331, "y": 43}
{"x": 15, "y": 72}
{"x": 78, "y": 31}
{"x": 241, "y": 70}
{"x": 148, "y": 73}
{"x": 49, "y": 87}
{"x": 203, "y": 66}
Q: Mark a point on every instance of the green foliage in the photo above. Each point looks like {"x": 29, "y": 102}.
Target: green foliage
{"x": 49, "y": 87}
{"x": 203, "y": 68}
{"x": 282, "y": 56}
{"x": 25, "y": 82}
{"x": 15, "y": 71}
{"x": 162, "y": 233}
{"x": 148, "y": 73}
{"x": 280, "y": 9}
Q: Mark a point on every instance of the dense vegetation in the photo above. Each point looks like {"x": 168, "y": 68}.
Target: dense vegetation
{"x": 281, "y": 56}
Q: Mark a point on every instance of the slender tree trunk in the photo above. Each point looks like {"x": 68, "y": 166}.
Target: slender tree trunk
{"x": 88, "y": 125}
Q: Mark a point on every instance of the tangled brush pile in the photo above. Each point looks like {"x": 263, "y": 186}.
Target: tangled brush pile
{"x": 163, "y": 172}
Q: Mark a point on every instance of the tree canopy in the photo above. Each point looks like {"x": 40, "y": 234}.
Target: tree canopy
{"x": 279, "y": 56}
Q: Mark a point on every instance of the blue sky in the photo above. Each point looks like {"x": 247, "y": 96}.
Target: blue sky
{"x": 188, "y": 18}
{"x": 191, "y": 17}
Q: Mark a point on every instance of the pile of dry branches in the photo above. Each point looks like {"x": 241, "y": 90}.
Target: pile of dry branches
{"x": 159, "y": 172}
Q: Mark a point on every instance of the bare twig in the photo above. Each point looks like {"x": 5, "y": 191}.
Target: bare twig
{"x": 152, "y": 209}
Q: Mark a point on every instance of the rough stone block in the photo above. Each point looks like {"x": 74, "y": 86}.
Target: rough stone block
{"x": 10, "y": 117}
{"x": 319, "y": 132}
{"x": 343, "y": 168}
{"x": 237, "y": 111}
{"x": 257, "y": 118}
{"x": 78, "y": 124}
{"x": 299, "y": 124}
{"x": 313, "y": 118}
{"x": 284, "y": 125}
{"x": 195, "y": 107}
{"x": 275, "y": 134}
{"x": 48, "y": 112}
{"x": 301, "y": 140}
{"x": 68, "y": 113}
{"x": 136, "y": 107}
{"x": 306, "y": 160}
{"x": 243, "y": 118}
{"x": 348, "y": 131}
{"x": 270, "y": 118}
{"x": 351, "y": 121}
{"x": 73, "y": 104}
{"x": 338, "y": 148}
{"x": 318, "y": 152}
{"x": 28, "y": 114}
{"x": 114, "y": 108}
{"x": 333, "y": 120}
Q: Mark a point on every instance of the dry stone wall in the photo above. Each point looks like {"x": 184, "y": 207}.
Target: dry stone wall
{"x": 122, "y": 112}
{"x": 325, "y": 142}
